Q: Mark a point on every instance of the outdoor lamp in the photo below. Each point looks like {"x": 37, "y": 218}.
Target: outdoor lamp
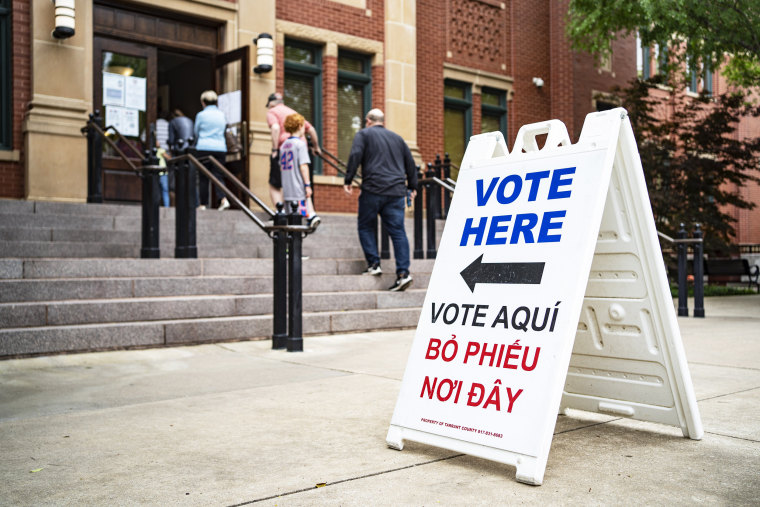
{"x": 538, "y": 82}
{"x": 64, "y": 19}
{"x": 264, "y": 53}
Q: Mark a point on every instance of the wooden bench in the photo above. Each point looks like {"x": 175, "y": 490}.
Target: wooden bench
{"x": 720, "y": 269}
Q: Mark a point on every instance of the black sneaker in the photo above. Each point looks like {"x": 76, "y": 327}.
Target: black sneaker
{"x": 315, "y": 221}
{"x": 403, "y": 281}
{"x": 373, "y": 270}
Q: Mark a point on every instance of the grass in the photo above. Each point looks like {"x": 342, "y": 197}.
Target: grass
{"x": 715, "y": 290}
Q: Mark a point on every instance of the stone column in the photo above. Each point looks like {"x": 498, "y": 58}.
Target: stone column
{"x": 255, "y": 18}
{"x": 401, "y": 70}
{"x": 56, "y": 150}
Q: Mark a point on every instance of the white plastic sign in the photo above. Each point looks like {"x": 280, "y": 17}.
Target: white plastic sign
{"x": 489, "y": 360}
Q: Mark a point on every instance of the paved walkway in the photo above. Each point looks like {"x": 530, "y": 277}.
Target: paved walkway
{"x": 238, "y": 423}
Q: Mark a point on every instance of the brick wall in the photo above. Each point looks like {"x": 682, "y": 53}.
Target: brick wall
{"x": 431, "y": 50}
{"x": 12, "y": 173}
{"x": 336, "y": 17}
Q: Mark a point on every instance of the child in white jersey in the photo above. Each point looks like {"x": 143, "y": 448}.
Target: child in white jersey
{"x": 294, "y": 167}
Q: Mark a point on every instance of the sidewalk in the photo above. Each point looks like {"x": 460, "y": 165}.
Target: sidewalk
{"x": 239, "y": 423}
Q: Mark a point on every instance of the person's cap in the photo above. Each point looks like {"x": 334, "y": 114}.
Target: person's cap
{"x": 273, "y": 96}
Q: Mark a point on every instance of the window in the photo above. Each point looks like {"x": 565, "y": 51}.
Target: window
{"x": 354, "y": 98}
{"x": 457, "y": 120}
{"x": 303, "y": 84}
{"x": 493, "y": 111}
{"x": 6, "y": 109}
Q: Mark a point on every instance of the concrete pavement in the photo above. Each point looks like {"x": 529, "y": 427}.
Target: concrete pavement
{"x": 238, "y": 423}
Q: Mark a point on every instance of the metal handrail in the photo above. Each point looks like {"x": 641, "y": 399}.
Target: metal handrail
{"x": 439, "y": 182}
{"x": 684, "y": 240}
{"x": 268, "y": 229}
{"x": 334, "y": 161}
{"x": 102, "y": 132}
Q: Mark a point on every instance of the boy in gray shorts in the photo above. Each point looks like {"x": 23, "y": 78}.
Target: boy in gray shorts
{"x": 294, "y": 168}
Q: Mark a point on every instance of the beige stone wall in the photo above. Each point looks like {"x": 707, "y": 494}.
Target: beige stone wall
{"x": 56, "y": 157}
{"x": 256, "y": 18}
{"x": 401, "y": 70}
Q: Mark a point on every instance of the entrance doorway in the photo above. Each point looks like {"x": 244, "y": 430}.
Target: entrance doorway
{"x": 150, "y": 63}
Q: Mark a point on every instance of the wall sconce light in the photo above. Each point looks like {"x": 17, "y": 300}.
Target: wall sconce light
{"x": 538, "y": 82}
{"x": 64, "y": 19}
{"x": 264, "y": 53}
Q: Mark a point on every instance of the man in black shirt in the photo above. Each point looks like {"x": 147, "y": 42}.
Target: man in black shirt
{"x": 388, "y": 174}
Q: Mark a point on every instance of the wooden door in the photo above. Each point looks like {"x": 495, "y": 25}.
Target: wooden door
{"x": 125, "y": 93}
{"x": 231, "y": 80}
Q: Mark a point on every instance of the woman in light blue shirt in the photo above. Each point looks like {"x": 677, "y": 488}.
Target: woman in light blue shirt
{"x": 209, "y": 134}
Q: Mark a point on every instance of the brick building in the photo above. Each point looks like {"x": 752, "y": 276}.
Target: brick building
{"x": 442, "y": 70}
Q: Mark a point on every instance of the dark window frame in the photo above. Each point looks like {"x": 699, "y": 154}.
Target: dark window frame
{"x": 458, "y": 104}
{"x": 313, "y": 71}
{"x": 6, "y": 76}
{"x": 491, "y": 110}
{"x": 362, "y": 79}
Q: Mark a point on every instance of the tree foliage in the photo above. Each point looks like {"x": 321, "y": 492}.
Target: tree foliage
{"x": 707, "y": 31}
{"x": 693, "y": 162}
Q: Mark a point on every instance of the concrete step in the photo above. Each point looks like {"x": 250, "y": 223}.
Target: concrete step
{"x": 92, "y": 311}
{"x": 55, "y": 339}
{"x": 144, "y": 268}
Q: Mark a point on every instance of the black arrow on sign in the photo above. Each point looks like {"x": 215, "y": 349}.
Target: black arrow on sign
{"x": 527, "y": 273}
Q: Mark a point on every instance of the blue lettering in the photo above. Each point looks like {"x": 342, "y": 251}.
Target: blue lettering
{"x": 478, "y": 231}
{"x": 483, "y": 198}
{"x": 547, "y": 225}
{"x": 501, "y": 196}
{"x": 496, "y": 228}
{"x": 559, "y": 181}
{"x": 535, "y": 182}
{"x": 524, "y": 223}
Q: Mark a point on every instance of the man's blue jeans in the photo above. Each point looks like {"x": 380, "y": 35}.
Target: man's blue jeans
{"x": 391, "y": 211}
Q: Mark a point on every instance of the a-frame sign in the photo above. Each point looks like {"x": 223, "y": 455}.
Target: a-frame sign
{"x": 548, "y": 292}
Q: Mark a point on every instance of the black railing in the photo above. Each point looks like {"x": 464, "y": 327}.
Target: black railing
{"x": 434, "y": 191}
{"x": 286, "y": 230}
{"x": 682, "y": 243}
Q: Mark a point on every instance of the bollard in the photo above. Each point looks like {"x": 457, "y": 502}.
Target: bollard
{"x": 280, "y": 282}
{"x": 683, "y": 307}
{"x": 431, "y": 205}
{"x": 418, "y": 251}
{"x": 151, "y": 193}
{"x": 438, "y": 171}
{"x": 295, "y": 295}
{"x": 446, "y": 177}
{"x": 699, "y": 274}
{"x": 95, "y": 160}
{"x": 185, "y": 219}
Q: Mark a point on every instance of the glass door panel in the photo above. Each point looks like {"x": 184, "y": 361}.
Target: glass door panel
{"x": 125, "y": 93}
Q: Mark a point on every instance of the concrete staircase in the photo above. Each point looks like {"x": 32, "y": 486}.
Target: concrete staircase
{"x": 71, "y": 280}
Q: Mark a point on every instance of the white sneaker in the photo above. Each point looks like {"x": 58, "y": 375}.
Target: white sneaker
{"x": 373, "y": 270}
{"x": 224, "y": 204}
{"x": 403, "y": 281}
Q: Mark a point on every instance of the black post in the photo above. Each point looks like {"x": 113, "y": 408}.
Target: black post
{"x": 280, "y": 282}
{"x": 699, "y": 275}
{"x": 95, "y": 160}
{"x": 185, "y": 183}
{"x": 431, "y": 206}
{"x": 419, "y": 253}
{"x": 151, "y": 194}
{"x": 180, "y": 208}
{"x": 438, "y": 168}
{"x": 446, "y": 176}
{"x": 683, "y": 307}
{"x": 295, "y": 296}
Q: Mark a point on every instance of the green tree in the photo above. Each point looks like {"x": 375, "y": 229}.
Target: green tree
{"x": 707, "y": 31}
{"x": 693, "y": 163}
